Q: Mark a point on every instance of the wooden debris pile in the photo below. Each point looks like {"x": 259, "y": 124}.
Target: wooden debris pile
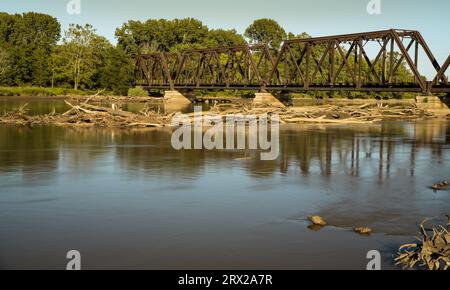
{"x": 338, "y": 114}
{"x": 352, "y": 114}
{"x": 431, "y": 252}
{"x": 84, "y": 114}
{"x": 87, "y": 115}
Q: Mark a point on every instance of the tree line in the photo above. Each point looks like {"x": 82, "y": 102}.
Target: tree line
{"x": 35, "y": 52}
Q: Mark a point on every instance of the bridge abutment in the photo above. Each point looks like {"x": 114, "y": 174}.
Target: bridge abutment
{"x": 431, "y": 103}
{"x": 265, "y": 98}
{"x": 175, "y": 97}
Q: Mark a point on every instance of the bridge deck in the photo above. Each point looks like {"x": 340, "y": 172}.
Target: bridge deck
{"x": 374, "y": 88}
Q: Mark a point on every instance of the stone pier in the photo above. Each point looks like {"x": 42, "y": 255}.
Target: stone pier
{"x": 431, "y": 103}
{"x": 265, "y": 98}
{"x": 175, "y": 97}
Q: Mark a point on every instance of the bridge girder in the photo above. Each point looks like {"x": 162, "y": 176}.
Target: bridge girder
{"x": 339, "y": 62}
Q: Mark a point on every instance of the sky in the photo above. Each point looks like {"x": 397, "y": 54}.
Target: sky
{"x": 316, "y": 17}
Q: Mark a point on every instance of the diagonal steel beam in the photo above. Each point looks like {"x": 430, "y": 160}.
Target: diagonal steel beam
{"x": 409, "y": 61}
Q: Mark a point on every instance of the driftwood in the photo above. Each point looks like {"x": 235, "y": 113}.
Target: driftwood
{"x": 110, "y": 115}
{"x": 431, "y": 252}
{"x": 82, "y": 113}
{"x": 109, "y": 111}
{"x": 86, "y": 115}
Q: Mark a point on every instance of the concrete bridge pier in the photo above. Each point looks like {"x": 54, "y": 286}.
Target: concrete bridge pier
{"x": 263, "y": 98}
{"x": 175, "y": 97}
{"x": 432, "y": 103}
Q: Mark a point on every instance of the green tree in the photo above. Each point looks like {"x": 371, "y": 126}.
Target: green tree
{"x": 266, "y": 31}
{"x": 5, "y": 63}
{"x": 160, "y": 35}
{"x": 291, "y": 35}
{"x": 29, "y": 39}
{"x": 88, "y": 61}
{"x": 222, "y": 37}
{"x": 117, "y": 71}
{"x": 172, "y": 35}
{"x": 79, "y": 56}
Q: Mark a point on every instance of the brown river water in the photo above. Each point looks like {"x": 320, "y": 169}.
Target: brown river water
{"x": 127, "y": 200}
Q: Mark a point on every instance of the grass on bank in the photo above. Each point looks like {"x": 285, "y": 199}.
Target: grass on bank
{"x": 140, "y": 92}
{"x": 53, "y": 92}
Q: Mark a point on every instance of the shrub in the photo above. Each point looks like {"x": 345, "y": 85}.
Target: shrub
{"x": 137, "y": 92}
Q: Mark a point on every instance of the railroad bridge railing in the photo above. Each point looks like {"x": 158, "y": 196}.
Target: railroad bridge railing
{"x": 338, "y": 62}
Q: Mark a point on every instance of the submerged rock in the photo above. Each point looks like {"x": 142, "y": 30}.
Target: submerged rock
{"x": 363, "y": 230}
{"x": 317, "y": 220}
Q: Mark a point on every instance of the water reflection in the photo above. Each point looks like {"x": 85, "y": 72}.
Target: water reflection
{"x": 130, "y": 190}
{"x": 35, "y": 105}
{"x": 388, "y": 149}
{"x": 42, "y": 105}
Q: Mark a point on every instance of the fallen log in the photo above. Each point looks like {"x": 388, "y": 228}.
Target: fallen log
{"x": 91, "y": 109}
{"x": 109, "y": 111}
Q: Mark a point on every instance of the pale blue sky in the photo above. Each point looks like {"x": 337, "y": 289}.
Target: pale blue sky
{"x": 316, "y": 17}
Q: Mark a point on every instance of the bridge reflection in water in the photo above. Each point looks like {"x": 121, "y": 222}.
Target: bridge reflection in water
{"x": 129, "y": 195}
{"x": 391, "y": 148}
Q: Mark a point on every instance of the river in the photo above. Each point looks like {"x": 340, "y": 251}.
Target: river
{"x": 127, "y": 200}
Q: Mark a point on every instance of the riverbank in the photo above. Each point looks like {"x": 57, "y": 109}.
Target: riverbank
{"x": 41, "y": 92}
{"x": 97, "y": 96}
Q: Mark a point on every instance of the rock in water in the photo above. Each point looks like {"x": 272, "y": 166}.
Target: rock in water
{"x": 440, "y": 186}
{"x": 363, "y": 230}
{"x": 317, "y": 220}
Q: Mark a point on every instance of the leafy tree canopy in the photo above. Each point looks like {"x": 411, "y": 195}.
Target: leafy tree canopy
{"x": 266, "y": 31}
{"x": 28, "y": 39}
{"x": 172, "y": 35}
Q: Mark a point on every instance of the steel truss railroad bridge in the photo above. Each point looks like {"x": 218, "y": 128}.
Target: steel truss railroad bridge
{"x": 330, "y": 63}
